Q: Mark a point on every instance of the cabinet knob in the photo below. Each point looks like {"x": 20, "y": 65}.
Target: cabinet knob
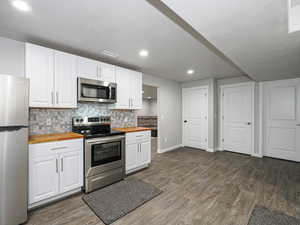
{"x": 185, "y": 121}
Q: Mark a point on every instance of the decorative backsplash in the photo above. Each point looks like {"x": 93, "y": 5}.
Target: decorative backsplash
{"x": 47, "y": 121}
{"x": 147, "y": 121}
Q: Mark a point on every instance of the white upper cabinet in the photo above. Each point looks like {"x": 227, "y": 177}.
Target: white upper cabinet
{"x": 136, "y": 90}
{"x": 40, "y": 71}
{"x": 107, "y": 72}
{"x": 129, "y": 89}
{"x": 123, "y": 88}
{"x": 65, "y": 80}
{"x": 87, "y": 68}
{"x": 52, "y": 77}
{"x": 95, "y": 70}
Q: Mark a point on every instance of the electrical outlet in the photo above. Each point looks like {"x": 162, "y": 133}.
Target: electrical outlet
{"x": 48, "y": 122}
{"x": 166, "y": 139}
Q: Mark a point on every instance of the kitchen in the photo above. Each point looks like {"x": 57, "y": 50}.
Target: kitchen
{"x": 142, "y": 112}
{"x": 74, "y": 145}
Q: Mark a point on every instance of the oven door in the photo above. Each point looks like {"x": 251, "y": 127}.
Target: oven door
{"x": 96, "y": 91}
{"x": 102, "y": 154}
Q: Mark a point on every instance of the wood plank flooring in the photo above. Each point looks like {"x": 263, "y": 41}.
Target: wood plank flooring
{"x": 200, "y": 188}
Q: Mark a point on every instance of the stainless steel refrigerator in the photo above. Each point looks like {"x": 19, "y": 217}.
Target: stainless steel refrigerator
{"x": 13, "y": 149}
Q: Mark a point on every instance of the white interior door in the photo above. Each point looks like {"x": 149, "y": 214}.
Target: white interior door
{"x": 282, "y": 119}
{"x": 195, "y": 117}
{"x": 237, "y": 117}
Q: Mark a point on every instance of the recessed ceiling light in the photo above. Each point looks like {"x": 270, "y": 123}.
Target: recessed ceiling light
{"x": 144, "y": 53}
{"x": 21, "y": 5}
{"x": 190, "y": 72}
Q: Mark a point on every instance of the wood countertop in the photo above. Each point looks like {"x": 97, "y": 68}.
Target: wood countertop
{"x": 35, "y": 139}
{"x": 132, "y": 129}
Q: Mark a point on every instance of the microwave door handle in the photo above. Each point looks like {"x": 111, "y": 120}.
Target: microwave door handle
{"x": 109, "y": 94}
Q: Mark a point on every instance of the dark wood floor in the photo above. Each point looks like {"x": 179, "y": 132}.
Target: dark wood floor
{"x": 200, "y": 188}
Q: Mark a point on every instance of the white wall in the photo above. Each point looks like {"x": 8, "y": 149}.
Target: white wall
{"x": 169, "y": 111}
{"x": 12, "y": 57}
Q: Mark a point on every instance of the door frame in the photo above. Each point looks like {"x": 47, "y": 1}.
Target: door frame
{"x": 208, "y": 116}
{"x": 250, "y": 84}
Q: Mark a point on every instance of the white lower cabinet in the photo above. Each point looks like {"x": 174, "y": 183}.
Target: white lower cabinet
{"x": 138, "y": 150}
{"x": 43, "y": 177}
{"x": 55, "y": 169}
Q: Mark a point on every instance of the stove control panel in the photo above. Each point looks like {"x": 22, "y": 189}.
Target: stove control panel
{"x": 88, "y": 121}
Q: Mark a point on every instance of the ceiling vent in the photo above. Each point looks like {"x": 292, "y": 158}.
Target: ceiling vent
{"x": 294, "y": 15}
{"x": 110, "y": 54}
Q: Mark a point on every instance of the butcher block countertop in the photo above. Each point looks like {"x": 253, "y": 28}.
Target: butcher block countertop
{"x": 35, "y": 139}
{"x": 132, "y": 129}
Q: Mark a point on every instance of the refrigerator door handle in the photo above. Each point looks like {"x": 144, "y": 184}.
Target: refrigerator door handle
{"x": 12, "y": 128}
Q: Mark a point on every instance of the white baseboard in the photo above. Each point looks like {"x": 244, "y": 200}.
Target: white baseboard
{"x": 210, "y": 150}
{"x": 169, "y": 149}
{"x": 220, "y": 149}
{"x": 257, "y": 155}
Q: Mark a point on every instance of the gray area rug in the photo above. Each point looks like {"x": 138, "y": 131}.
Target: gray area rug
{"x": 264, "y": 216}
{"x": 117, "y": 200}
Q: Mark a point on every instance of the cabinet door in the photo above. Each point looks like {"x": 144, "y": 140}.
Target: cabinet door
{"x": 131, "y": 156}
{"x": 145, "y": 153}
{"x": 136, "y": 90}
{"x": 123, "y": 88}
{"x": 87, "y": 68}
{"x": 107, "y": 72}
{"x": 71, "y": 171}
{"x": 40, "y": 71}
{"x": 65, "y": 80}
{"x": 43, "y": 177}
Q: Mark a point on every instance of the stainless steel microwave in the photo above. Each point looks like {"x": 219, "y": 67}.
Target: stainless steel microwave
{"x": 96, "y": 91}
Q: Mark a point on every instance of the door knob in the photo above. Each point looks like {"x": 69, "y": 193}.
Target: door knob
{"x": 248, "y": 123}
{"x": 185, "y": 121}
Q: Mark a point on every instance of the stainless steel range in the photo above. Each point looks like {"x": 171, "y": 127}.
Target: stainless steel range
{"x": 104, "y": 151}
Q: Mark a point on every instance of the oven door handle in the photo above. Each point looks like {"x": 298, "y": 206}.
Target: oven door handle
{"x": 104, "y": 139}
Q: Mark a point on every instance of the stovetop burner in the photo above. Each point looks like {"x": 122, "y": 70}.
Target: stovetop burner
{"x": 93, "y": 127}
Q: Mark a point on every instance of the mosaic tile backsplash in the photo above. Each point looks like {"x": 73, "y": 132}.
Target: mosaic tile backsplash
{"x": 47, "y": 121}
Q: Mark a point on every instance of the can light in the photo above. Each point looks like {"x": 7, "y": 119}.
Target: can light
{"x": 190, "y": 72}
{"x": 21, "y": 5}
{"x": 143, "y": 53}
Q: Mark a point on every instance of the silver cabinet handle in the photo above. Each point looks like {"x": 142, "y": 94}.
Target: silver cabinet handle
{"x": 58, "y": 148}
{"x": 52, "y": 97}
{"x": 56, "y": 166}
{"x": 56, "y": 97}
{"x": 99, "y": 73}
{"x": 62, "y": 164}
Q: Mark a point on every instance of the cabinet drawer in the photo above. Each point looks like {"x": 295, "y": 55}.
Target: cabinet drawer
{"x": 137, "y": 136}
{"x": 49, "y": 148}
